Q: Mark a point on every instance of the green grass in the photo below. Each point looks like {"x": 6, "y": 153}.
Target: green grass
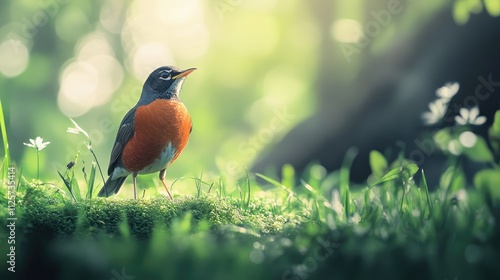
{"x": 5, "y": 142}
{"x": 318, "y": 226}
{"x": 393, "y": 229}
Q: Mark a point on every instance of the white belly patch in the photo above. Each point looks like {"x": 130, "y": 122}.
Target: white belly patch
{"x": 160, "y": 162}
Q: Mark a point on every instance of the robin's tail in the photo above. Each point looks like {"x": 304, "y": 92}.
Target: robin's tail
{"x": 112, "y": 186}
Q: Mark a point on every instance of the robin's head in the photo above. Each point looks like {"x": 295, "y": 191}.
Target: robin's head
{"x": 165, "y": 82}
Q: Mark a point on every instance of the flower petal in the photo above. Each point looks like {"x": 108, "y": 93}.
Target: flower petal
{"x": 429, "y": 118}
{"x": 448, "y": 90}
{"x": 38, "y": 141}
{"x": 479, "y": 120}
{"x": 473, "y": 113}
{"x": 426, "y": 117}
{"x": 78, "y": 128}
{"x": 460, "y": 120}
{"x": 464, "y": 113}
{"x": 433, "y": 107}
{"x": 442, "y": 106}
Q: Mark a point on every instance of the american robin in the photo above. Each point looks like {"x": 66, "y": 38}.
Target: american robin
{"x": 153, "y": 133}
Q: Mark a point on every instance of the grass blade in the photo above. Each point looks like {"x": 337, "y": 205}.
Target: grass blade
{"x": 345, "y": 179}
{"x": 6, "y": 161}
{"x": 429, "y": 202}
{"x": 68, "y": 185}
{"x": 278, "y": 184}
{"x": 248, "y": 187}
{"x": 274, "y": 183}
{"x": 90, "y": 183}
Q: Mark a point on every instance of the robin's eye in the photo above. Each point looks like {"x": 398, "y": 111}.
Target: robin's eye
{"x": 165, "y": 76}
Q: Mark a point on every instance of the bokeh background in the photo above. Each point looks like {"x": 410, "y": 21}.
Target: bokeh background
{"x": 264, "y": 67}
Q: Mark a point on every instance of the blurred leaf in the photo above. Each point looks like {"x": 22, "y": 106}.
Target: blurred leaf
{"x": 406, "y": 172}
{"x": 495, "y": 127}
{"x": 124, "y": 228}
{"x": 316, "y": 174}
{"x": 288, "y": 176}
{"x": 345, "y": 193}
{"x": 3, "y": 130}
{"x": 378, "y": 163}
{"x": 309, "y": 188}
{"x": 68, "y": 185}
{"x": 429, "y": 202}
{"x": 447, "y": 177}
{"x": 75, "y": 187}
{"x": 159, "y": 238}
{"x": 461, "y": 12}
{"x": 182, "y": 226}
{"x": 90, "y": 182}
{"x": 442, "y": 138}
{"x": 493, "y": 7}
{"x": 487, "y": 182}
{"x": 479, "y": 152}
{"x": 459, "y": 181}
{"x": 274, "y": 182}
{"x": 269, "y": 180}
{"x": 494, "y": 133}
{"x": 389, "y": 176}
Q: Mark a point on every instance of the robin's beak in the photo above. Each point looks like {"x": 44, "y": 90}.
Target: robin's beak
{"x": 184, "y": 73}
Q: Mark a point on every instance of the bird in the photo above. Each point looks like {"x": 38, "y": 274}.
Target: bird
{"x": 153, "y": 133}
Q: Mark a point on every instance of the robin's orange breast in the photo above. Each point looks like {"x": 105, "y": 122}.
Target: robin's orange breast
{"x": 161, "y": 131}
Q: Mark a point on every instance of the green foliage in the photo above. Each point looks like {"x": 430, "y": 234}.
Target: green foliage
{"x": 324, "y": 227}
{"x": 480, "y": 151}
{"x": 47, "y": 216}
{"x": 378, "y": 163}
{"x": 494, "y": 134}
{"x": 55, "y": 217}
{"x": 404, "y": 173}
{"x": 463, "y": 9}
{"x": 219, "y": 237}
{"x": 493, "y": 7}
{"x": 487, "y": 182}
{"x": 345, "y": 193}
{"x": 90, "y": 181}
{"x": 5, "y": 142}
{"x": 288, "y": 176}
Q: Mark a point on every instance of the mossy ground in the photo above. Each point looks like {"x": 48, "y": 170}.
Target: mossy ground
{"x": 298, "y": 236}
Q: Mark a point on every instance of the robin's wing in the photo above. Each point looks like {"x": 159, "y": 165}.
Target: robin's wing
{"x": 125, "y": 132}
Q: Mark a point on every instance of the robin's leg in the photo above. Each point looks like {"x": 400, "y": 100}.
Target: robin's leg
{"x": 134, "y": 179}
{"x": 162, "y": 179}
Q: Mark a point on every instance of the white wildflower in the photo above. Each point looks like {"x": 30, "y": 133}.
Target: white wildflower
{"x": 37, "y": 144}
{"x": 470, "y": 116}
{"x": 437, "y": 110}
{"x": 448, "y": 91}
